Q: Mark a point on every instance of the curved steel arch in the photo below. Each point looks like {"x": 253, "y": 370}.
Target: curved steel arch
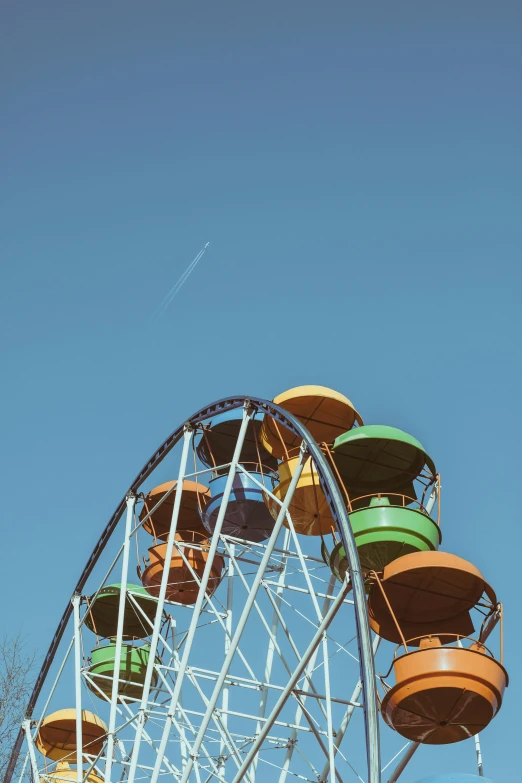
{"x": 340, "y": 515}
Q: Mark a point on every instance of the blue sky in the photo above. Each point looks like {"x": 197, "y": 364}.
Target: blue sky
{"x": 357, "y": 170}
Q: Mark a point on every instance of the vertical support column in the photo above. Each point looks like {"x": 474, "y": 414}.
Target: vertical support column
{"x": 271, "y": 643}
{"x": 478, "y": 751}
{"x": 307, "y": 685}
{"x": 24, "y": 767}
{"x": 301, "y": 666}
{"x": 326, "y": 666}
{"x": 131, "y": 503}
{"x": 228, "y": 637}
{"x": 159, "y": 610}
{"x": 299, "y": 713}
{"x": 364, "y": 638}
{"x": 182, "y": 735}
{"x": 26, "y": 726}
{"x": 354, "y": 698}
{"x": 197, "y": 608}
{"x": 331, "y": 748}
{"x": 78, "y": 686}
{"x": 244, "y": 616}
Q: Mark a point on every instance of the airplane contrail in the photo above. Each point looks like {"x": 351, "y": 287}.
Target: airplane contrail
{"x": 175, "y": 288}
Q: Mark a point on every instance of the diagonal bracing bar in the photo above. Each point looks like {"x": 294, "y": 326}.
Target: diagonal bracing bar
{"x": 340, "y": 515}
{"x": 241, "y": 624}
{"x": 323, "y": 626}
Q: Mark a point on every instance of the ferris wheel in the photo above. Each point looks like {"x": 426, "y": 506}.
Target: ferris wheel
{"x": 268, "y": 595}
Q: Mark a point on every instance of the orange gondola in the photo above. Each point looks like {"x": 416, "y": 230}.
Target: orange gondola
{"x": 444, "y": 694}
{"x": 182, "y": 586}
{"x": 426, "y": 593}
{"x": 448, "y": 687}
{"x": 193, "y": 501}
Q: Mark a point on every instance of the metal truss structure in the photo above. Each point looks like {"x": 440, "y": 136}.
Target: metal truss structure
{"x": 270, "y": 677}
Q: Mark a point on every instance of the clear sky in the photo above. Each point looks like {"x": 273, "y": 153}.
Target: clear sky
{"x": 357, "y": 170}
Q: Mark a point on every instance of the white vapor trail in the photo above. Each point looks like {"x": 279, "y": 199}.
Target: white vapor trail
{"x": 175, "y": 288}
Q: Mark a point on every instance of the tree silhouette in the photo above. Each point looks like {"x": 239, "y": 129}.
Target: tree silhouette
{"x": 16, "y": 670}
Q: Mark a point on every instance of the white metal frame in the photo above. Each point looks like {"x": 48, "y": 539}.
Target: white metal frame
{"x": 210, "y": 746}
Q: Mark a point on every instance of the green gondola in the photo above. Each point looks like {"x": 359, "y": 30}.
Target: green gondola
{"x": 376, "y": 458}
{"x": 383, "y": 533}
{"x": 378, "y": 467}
{"x": 133, "y": 668}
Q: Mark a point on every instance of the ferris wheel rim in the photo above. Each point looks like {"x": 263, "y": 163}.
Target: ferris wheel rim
{"x": 341, "y": 517}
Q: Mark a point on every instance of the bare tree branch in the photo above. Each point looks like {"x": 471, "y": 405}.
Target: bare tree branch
{"x": 16, "y": 676}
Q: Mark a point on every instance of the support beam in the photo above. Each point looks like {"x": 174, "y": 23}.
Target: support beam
{"x": 78, "y": 686}
{"x": 131, "y": 504}
{"x": 478, "y": 751}
{"x": 339, "y": 513}
{"x": 323, "y": 627}
{"x": 354, "y": 698}
{"x": 187, "y": 437}
{"x": 24, "y": 767}
{"x": 271, "y": 642}
{"x": 401, "y": 766}
{"x": 308, "y": 690}
{"x": 26, "y": 726}
{"x": 228, "y": 636}
{"x": 300, "y": 698}
{"x": 249, "y": 604}
{"x": 197, "y": 607}
{"x": 120, "y": 710}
